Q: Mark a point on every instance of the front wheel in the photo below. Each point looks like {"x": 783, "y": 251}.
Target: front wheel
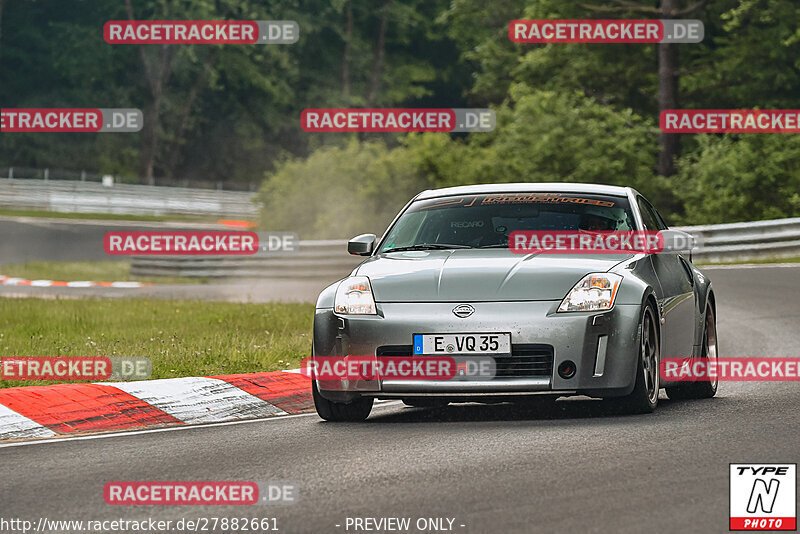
{"x": 357, "y": 410}
{"x": 702, "y": 389}
{"x": 644, "y": 397}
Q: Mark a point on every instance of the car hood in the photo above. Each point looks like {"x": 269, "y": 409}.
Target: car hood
{"x": 478, "y": 275}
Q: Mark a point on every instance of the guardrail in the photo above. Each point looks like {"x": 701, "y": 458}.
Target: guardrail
{"x": 741, "y": 242}
{"x": 129, "y": 199}
{"x": 329, "y": 259}
{"x": 46, "y": 174}
{"x": 313, "y": 259}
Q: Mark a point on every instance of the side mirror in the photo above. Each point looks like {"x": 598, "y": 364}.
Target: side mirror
{"x": 362, "y": 245}
{"x": 678, "y": 241}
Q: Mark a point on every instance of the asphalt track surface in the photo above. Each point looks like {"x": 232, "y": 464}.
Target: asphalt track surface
{"x": 501, "y": 468}
{"x": 24, "y": 239}
{"x": 237, "y": 290}
{"x": 41, "y": 239}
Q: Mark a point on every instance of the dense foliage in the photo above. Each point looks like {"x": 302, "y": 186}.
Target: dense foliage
{"x": 565, "y": 112}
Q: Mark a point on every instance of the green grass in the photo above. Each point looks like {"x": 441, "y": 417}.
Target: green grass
{"x": 9, "y": 212}
{"x": 100, "y": 271}
{"x": 182, "y": 338}
{"x": 791, "y": 259}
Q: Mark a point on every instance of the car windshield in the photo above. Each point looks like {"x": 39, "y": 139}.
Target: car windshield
{"x": 485, "y": 221}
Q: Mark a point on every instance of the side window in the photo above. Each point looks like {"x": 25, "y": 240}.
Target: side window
{"x": 648, "y": 217}
{"x": 662, "y": 223}
{"x": 657, "y": 216}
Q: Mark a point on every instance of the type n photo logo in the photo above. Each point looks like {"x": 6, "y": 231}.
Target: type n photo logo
{"x": 763, "y": 497}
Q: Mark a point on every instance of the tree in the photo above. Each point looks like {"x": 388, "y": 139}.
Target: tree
{"x": 541, "y": 136}
{"x": 752, "y": 60}
{"x": 348, "y": 38}
{"x": 668, "y": 68}
{"x": 668, "y": 93}
{"x": 157, "y": 70}
{"x": 179, "y": 80}
{"x": 549, "y": 136}
{"x": 1, "y": 18}
{"x": 380, "y": 53}
{"x": 1, "y": 24}
{"x": 315, "y": 197}
{"x": 728, "y": 179}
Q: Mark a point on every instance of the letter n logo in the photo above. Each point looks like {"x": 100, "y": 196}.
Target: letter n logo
{"x": 763, "y": 495}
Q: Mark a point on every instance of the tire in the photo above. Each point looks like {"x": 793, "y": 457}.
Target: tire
{"x": 423, "y": 402}
{"x": 707, "y": 388}
{"x": 357, "y": 410}
{"x": 644, "y": 397}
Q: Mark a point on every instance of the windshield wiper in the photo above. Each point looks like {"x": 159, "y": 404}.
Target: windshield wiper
{"x": 426, "y": 246}
{"x": 494, "y": 245}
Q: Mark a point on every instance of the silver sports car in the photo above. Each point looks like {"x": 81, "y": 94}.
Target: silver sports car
{"x": 444, "y": 282}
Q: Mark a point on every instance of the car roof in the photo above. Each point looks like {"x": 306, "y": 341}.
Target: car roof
{"x": 526, "y": 187}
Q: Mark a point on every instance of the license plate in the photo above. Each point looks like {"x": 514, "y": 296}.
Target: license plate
{"x": 462, "y": 344}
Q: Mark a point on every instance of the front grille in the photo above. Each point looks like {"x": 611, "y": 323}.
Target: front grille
{"x": 526, "y": 359}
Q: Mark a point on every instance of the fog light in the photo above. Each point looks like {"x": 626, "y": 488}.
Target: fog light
{"x": 566, "y": 369}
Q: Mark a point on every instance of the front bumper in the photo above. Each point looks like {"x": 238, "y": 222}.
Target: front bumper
{"x": 602, "y": 345}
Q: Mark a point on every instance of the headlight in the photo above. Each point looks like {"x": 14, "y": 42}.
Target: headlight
{"x": 595, "y": 292}
{"x": 354, "y": 297}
